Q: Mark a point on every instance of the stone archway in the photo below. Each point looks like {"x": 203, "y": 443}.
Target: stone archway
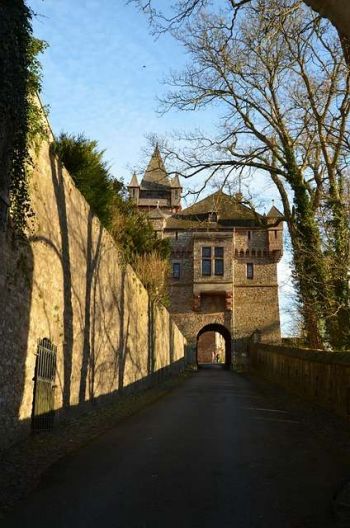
{"x": 222, "y": 330}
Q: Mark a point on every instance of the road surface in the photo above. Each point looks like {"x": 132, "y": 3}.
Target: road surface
{"x": 215, "y": 452}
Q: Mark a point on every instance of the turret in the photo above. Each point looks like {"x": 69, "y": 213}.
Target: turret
{"x": 275, "y": 232}
{"x": 134, "y": 189}
{"x": 176, "y": 190}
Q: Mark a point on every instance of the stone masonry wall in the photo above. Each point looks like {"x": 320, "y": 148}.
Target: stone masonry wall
{"x": 186, "y": 250}
{"x": 256, "y": 301}
{"x": 316, "y": 375}
{"x": 65, "y": 283}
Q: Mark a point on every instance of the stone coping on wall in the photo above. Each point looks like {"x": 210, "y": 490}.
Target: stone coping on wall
{"x": 306, "y": 354}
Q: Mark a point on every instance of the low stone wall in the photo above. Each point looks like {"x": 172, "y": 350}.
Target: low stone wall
{"x": 66, "y": 282}
{"x": 314, "y": 374}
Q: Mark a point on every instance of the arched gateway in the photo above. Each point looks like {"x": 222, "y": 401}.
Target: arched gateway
{"x": 222, "y": 330}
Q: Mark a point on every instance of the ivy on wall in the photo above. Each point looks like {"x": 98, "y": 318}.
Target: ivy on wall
{"x": 20, "y": 120}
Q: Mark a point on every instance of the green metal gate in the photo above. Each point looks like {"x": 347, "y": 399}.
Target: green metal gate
{"x": 44, "y": 379}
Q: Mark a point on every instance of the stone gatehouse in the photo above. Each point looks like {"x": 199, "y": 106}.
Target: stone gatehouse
{"x": 223, "y": 262}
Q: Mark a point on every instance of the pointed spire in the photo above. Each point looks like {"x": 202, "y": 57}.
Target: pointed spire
{"x": 134, "y": 182}
{"x": 155, "y": 171}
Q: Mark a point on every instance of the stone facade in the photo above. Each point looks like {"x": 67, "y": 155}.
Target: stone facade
{"x": 224, "y": 261}
{"x": 65, "y": 282}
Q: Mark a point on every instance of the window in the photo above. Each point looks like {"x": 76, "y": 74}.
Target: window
{"x": 219, "y": 261}
{"x": 206, "y": 266}
{"x": 250, "y": 270}
{"x": 249, "y": 235}
{"x": 212, "y": 259}
{"x": 176, "y": 270}
{"x": 206, "y": 260}
{"x": 275, "y": 233}
{"x": 213, "y": 217}
{"x": 219, "y": 267}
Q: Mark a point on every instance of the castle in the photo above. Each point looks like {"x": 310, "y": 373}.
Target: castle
{"x": 223, "y": 285}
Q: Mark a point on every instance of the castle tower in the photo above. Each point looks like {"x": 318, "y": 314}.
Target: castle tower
{"x": 157, "y": 195}
{"x": 224, "y": 272}
{"x": 223, "y": 262}
{"x": 134, "y": 189}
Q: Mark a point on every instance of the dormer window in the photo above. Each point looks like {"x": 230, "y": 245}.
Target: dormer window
{"x": 212, "y": 217}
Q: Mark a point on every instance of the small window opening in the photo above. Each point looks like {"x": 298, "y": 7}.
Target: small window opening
{"x": 250, "y": 270}
{"x": 176, "y": 270}
{"x": 219, "y": 260}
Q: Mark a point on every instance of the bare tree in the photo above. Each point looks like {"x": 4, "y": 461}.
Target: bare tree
{"x": 278, "y": 77}
{"x": 337, "y": 12}
{"x": 153, "y": 271}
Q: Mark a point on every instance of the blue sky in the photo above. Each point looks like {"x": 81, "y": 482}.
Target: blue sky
{"x": 102, "y": 74}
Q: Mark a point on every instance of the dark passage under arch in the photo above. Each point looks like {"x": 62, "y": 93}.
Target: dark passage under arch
{"x": 215, "y": 327}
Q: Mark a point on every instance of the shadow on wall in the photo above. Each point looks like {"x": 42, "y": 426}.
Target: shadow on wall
{"x": 89, "y": 356}
{"x": 159, "y": 376}
{"x": 58, "y": 184}
{"x": 95, "y": 321}
{"x": 16, "y": 276}
{"x": 80, "y": 298}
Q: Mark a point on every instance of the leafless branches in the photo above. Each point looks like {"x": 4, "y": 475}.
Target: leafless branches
{"x": 277, "y": 77}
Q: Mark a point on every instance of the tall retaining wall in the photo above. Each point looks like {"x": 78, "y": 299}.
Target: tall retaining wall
{"x": 65, "y": 282}
{"x": 316, "y": 375}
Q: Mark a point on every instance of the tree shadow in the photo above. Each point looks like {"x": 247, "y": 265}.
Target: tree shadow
{"x": 59, "y": 190}
{"x": 151, "y": 337}
{"x": 88, "y": 356}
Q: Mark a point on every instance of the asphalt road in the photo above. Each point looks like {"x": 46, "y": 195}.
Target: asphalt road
{"x": 212, "y": 453}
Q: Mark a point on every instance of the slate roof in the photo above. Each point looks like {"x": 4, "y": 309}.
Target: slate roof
{"x": 155, "y": 179}
{"x": 274, "y": 213}
{"x": 134, "y": 182}
{"x": 155, "y": 172}
{"x": 157, "y": 213}
{"x": 230, "y": 212}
